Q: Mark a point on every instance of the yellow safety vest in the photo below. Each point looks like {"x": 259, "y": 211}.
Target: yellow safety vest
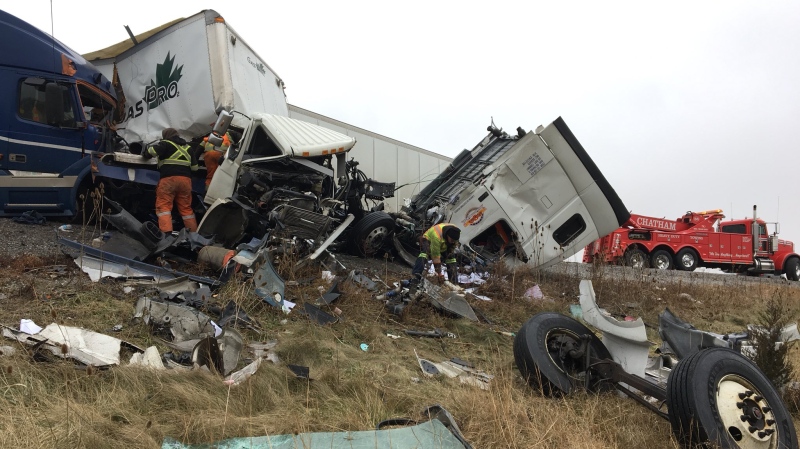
{"x": 179, "y": 157}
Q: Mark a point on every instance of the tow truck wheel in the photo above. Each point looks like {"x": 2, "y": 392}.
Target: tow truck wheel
{"x": 661, "y": 259}
{"x": 371, "y": 233}
{"x": 636, "y": 258}
{"x": 719, "y": 397}
{"x": 549, "y": 351}
{"x": 686, "y": 259}
{"x": 792, "y": 269}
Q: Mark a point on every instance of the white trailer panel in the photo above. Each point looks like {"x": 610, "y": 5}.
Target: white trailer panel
{"x": 383, "y": 158}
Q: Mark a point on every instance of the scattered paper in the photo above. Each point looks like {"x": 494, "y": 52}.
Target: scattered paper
{"x": 29, "y": 327}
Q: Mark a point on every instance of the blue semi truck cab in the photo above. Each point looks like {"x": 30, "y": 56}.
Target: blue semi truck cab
{"x": 55, "y": 110}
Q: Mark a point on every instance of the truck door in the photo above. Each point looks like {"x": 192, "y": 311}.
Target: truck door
{"x": 44, "y": 141}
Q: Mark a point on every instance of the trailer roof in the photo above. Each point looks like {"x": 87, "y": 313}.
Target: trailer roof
{"x": 121, "y": 47}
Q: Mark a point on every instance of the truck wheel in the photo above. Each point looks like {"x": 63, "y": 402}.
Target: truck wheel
{"x": 792, "y": 269}
{"x": 718, "y": 396}
{"x": 371, "y": 233}
{"x": 634, "y": 257}
{"x": 661, "y": 259}
{"x": 686, "y": 259}
{"x": 542, "y": 351}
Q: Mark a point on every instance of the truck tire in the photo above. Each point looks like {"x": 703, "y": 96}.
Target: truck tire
{"x": 371, "y": 233}
{"x": 719, "y": 398}
{"x": 792, "y": 269}
{"x": 686, "y": 259}
{"x": 636, "y": 258}
{"x": 540, "y": 352}
{"x": 661, "y": 260}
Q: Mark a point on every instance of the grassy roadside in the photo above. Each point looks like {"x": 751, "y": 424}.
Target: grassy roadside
{"x": 53, "y": 404}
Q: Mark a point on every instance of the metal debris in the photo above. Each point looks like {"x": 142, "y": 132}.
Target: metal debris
{"x": 150, "y": 358}
{"x": 183, "y": 322}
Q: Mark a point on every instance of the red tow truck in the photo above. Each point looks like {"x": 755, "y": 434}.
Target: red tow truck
{"x": 698, "y": 239}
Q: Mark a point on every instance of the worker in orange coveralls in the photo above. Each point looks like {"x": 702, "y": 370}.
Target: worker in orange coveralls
{"x": 176, "y": 162}
{"x": 213, "y": 155}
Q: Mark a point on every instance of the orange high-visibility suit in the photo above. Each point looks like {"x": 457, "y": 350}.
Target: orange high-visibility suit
{"x": 213, "y": 156}
{"x": 176, "y": 162}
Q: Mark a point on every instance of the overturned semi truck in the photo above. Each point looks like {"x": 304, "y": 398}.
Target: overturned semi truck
{"x": 531, "y": 198}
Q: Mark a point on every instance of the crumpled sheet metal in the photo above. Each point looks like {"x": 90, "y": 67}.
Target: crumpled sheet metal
{"x": 85, "y": 346}
{"x": 449, "y": 301}
{"x": 430, "y": 434}
{"x": 220, "y": 353}
{"x": 185, "y": 323}
{"x": 243, "y": 374}
{"x": 269, "y": 285}
{"x": 98, "y": 269}
{"x": 466, "y": 375}
{"x": 150, "y": 358}
{"x": 440, "y": 431}
{"x": 157, "y": 273}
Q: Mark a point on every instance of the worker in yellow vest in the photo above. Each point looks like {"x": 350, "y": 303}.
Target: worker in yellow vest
{"x": 176, "y": 162}
{"x": 440, "y": 241}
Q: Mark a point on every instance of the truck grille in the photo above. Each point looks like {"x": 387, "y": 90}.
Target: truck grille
{"x": 302, "y": 223}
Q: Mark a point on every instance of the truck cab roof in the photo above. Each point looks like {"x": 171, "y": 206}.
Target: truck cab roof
{"x": 26, "y": 46}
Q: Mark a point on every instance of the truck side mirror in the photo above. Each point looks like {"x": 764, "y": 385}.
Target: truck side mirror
{"x": 53, "y": 103}
{"x": 56, "y": 105}
{"x": 223, "y": 122}
{"x": 220, "y": 128}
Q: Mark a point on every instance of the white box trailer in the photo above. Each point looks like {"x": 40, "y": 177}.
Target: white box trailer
{"x": 181, "y": 74}
{"x": 384, "y": 159}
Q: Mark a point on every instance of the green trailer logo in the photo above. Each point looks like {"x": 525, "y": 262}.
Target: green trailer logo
{"x": 165, "y": 86}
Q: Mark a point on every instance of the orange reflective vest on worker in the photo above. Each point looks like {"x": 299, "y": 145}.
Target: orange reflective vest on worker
{"x": 212, "y": 155}
{"x": 176, "y": 162}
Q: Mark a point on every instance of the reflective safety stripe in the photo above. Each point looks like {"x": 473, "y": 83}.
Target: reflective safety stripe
{"x": 186, "y": 217}
{"x": 450, "y": 261}
{"x": 179, "y": 157}
{"x": 161, "y": 214}
{"x": 425, "y": 255}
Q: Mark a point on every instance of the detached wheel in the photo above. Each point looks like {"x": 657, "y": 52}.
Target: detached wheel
{"x": 661, "y": 260}
{"x": 718, "y": 398}
{"x": 371, "y": 233}
{"x": 636, "y": 258}
{"x": 547, "y": 351}
{"x": 792, "y": 269}
{"x": 686, "y": 259}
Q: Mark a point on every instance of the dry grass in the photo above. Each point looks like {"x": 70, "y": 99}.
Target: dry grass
{"x": 53, "y": 404}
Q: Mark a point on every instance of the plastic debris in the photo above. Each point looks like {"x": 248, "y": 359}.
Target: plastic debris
{"x": 364, "y": 347}
{"x": 533, "y": 293}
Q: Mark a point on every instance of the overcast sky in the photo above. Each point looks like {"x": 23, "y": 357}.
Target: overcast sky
{"x": 682, "y": 105}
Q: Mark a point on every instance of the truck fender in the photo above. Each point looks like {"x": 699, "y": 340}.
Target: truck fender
{"x": 781, "y": 263}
